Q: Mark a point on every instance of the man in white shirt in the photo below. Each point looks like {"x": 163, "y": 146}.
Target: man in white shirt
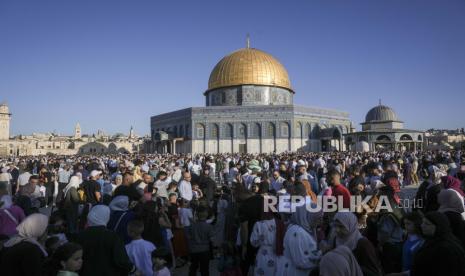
{"x": 196, "y": 168}
{"x": 23, "y": 179}
{"x": 162, "y": 184}
{"x": 177, "y": 173}
{"x": 212, "y": 166}
{"x": 185, "y": 187}
{"x": 64, "y": 175}
{"x": 6, "y": 178}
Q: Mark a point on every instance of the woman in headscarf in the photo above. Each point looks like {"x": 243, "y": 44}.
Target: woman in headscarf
{"x": 308, "y": 189}
{"x": 413, "y": 240}
{"x": 104, "y": 251}
{"x": 389, "y": 226}
{"x": 24, "y": 254}
{"x": 339, "y": 262}
{"x": 266, "y": 234}
{"x": 347, "y": 234}
{"x": 71, "y": 203}
{"x": 441, "y": 254}
{"x": 120, "y": 217}
{"x": 430, "y": 188}
{"x": 301, "y": 254}
{"x": 450, "y": 182}
{"x": 451, "y": 205}
{"x": 10, "y": 216}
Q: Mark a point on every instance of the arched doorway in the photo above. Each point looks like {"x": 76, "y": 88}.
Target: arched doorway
{"x": 383, "y": 142}
{"x": 330, "y": 139}
{"x": 407, "y": 143}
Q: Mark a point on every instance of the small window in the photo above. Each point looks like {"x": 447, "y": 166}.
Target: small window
{"x": 284, "y": 130}
{"x": 271, "y": 130}
{"x": 214, "y": 131}
{"x": 200, "y": 133}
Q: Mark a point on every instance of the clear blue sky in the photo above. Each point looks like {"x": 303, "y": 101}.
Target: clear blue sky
{"x": 112, "y": 64}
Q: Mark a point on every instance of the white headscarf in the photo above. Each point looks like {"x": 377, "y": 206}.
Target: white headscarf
{"x": 119, "y": 203}
{"x": 99, "y": 215}
{"x": 350, "y": 222}
{"x": 307, "y": 219}
{"x": 30, "y": 229}
{"x": 74, "y": 182}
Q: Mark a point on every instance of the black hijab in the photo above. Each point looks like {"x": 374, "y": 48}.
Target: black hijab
{"x": 441, "y": 254}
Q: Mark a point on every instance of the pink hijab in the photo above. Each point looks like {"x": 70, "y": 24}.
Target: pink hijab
{"x": 450, "y": 182}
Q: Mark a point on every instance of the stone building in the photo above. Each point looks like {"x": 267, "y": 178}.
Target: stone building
{"x": 382, "y": 129}
{"x": 249, "y": 108}
{"x": 445, "y": 139}
{"x": 5, "y": 117}
{"x": 50, "y": 143}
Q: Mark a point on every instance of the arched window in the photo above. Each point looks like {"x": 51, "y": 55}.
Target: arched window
{"x": 214, "y": 131}
{"x": 271, "y": 130}
{"x": 257, "y": 130}
{"x": 420, "y": 138}
{"x": 228, "y": 131}
{"x": 200, "y": 131}
{"x": 298, "y": 130}
{"x": 181, "y": 131}
{"x": 242, "y": 131}
{"x": 406, "y": 137}
{"x": 383, "y": 138}
{"x": 337, "y": 133}
{"x": 284, "y": 130}
{"x": 308, "y": 130}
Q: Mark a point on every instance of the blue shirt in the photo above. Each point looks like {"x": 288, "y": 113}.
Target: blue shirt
{"x": 411, "y": 245}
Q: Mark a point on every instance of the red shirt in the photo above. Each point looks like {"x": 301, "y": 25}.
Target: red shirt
{"x": 340, "y": 190}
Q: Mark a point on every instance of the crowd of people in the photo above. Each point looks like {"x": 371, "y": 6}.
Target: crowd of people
{"x": 159, "y": 214}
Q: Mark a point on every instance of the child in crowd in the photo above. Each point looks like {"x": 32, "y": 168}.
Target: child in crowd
{"x": 68, "y": 259}
{"x": 185, "y": 213}
{"x": 161, "y": 259}
{"x": 139, "y": 250}
{"x": 172, "y": 188}
{"x": 196, "y": 192}
{"x": 200, "y": 235}
{"x": 412, "y": 224}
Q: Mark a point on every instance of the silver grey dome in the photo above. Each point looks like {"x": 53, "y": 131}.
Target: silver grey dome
{"x": 381, "y": 113}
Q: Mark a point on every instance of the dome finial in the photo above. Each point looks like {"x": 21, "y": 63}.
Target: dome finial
{"x": 248, "y": 41}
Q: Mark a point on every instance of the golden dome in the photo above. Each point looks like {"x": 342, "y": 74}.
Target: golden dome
{"x": 249, "y": 66}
